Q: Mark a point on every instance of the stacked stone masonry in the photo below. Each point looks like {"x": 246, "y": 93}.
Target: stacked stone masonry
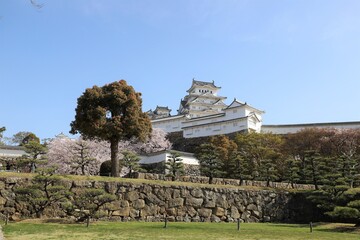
{"x": 152, "y": 202}
{"x": 224, "y": 181}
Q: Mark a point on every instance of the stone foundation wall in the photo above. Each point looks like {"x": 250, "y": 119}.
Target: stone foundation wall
{"x": 151, "y": 202}
{"x": 224, "y": 181}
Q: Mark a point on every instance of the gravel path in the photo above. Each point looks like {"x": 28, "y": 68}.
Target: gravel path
{"x": 1, "y": 234}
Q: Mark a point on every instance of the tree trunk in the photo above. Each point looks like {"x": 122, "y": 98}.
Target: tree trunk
{"x": 210, "y": 180}
{"x": 115, "y": 168}
{"x": 241, "y": 181}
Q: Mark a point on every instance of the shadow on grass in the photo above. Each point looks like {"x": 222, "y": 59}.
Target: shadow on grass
{"x": 341, "y": 229}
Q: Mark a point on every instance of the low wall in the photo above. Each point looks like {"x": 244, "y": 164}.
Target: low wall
{"x": 150, "y": 202}
{"x": 224, "y": 181}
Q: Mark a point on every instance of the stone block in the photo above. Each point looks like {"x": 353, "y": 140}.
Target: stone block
{"x": 153, "y": 199}
{"x": 218, "y": 211}
{"x": 134, "y": 213}
{"x": 176, "y": 193}
{"x": 209, "y": 203}
{"x": 215, "y": 218}
{"x": 123, "y": 203}
{"x": 171, "y": 218}
{"x": 132, "y": 196}
{"x": 252, "y": 207}
{"x": 2, "y": 201}
{"x": 222, "y": 202}
{"x": 234, "y": 213}
{"x": 194, "y": 202}
{"x": 197, "y": 192}
{"x": 176, "y": 202}
{"x": 181, "y": 211}
{"x": 205, "y": 212}
{"x": 196, "y": 219}
{"x": 111, "y": 187}
{"x": 187, "y": 218}
{"x": 191, "y": 211}
{"x": 138, "y": 204}
{"x": 171, "y": 211}
{"x": 15, "y": 217}
{"x": 123, "y": 212}
{"x": 149, "y": 210}
{"x": 164, "y": 194}
{"x": 256, "y": 214}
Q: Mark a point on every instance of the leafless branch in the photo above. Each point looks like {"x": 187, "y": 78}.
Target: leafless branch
{"x": 36, "y": 4}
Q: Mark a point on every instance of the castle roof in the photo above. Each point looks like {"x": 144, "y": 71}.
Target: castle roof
{"x": 237, "y": 103}
{"x": 162, "y": 108}
{"x": 202, "y": 84}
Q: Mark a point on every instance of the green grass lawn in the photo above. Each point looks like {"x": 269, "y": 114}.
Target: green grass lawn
{"x": 36, "y": 230}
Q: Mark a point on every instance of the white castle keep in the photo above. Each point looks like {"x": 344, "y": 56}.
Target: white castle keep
{"x": 203, "y": 113}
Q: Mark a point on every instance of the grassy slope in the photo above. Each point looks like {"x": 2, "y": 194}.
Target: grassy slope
{"x": 175, "y": 231}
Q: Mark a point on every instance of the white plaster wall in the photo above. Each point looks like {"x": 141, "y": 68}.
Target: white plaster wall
{"x": 232, "y": 120}
{"x": 11, "y": 153}
{"x": 212, "y": 129}
{"x": 186, "y": 159}
{"x": 153, "y": 159}
{"x": 235, "y": 112}
{"x": 163, "y": 156}
{"x": 168, "y": 125}
{"x": 284, "y": 129}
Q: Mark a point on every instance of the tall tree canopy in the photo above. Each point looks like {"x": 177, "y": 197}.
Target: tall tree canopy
{"x": 210, "y": 162}
{"x": 111, "y": 113}
{"x": 19, "y": 137}
{"x": 261, "y": 151}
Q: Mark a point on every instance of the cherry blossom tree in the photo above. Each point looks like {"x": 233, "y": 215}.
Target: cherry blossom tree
{"x": 155, "y": 143}
{"x": 84, "y": 157}
{"x": 77, "y": 156}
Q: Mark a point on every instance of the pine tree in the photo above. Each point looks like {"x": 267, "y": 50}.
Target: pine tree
{"x": 131, "y": 161}
{"x": 36, "y": 154}
{"x": 174, "y": 165}
{"x": 292, "y": 171}
{"x": 86, "y": 203}
{"x": 348, "y": 207}
{"x": 240, "y": 167}
{"x": 46, "y": 190}
{"x": 210, "y": 161}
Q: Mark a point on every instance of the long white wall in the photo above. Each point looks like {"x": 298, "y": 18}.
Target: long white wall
{"x": 216, "y": 128}
{"x": 293, "y": 128}
{"x": 169, "y": 124}
{"x": 163, "y": 156}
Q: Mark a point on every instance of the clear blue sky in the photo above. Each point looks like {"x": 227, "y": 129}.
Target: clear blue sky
{"x": 299, "y": 61}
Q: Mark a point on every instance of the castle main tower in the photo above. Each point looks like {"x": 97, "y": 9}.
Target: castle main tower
{"x": 202, "y": 100}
